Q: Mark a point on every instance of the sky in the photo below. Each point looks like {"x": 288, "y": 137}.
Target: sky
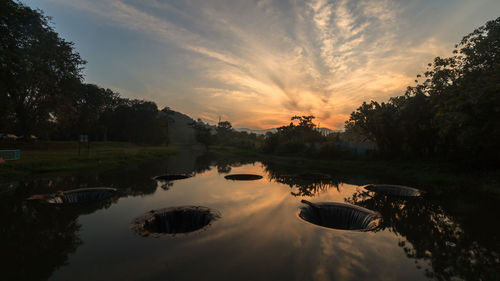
{"x": 256, "y": 63}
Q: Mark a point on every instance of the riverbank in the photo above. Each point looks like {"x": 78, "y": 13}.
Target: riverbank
{"x": 436, "y": 175}
{"x": 51, "y": 157}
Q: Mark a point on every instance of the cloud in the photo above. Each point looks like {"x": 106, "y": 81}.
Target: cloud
{"x": 260, "y": 63}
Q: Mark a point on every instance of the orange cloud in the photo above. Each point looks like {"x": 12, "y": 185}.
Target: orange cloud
{"x": 259, "y": 68}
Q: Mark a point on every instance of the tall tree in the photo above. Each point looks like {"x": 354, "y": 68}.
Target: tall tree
{"x": 455, "y": 111}
{"x": 36, "y": 67}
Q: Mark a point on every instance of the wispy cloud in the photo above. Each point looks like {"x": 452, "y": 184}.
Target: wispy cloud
{"x": 258, "y": 63}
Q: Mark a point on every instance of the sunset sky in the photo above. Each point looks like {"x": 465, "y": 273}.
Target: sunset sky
{"x": 257, "y": 63}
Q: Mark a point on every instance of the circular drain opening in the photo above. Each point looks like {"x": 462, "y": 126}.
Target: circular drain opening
{"x": 394, "y": 190}
{"x": 171, "y": 177}
{"x": 340, "y": 216}
{"x": 174, "y": 220}
{"x": 243, "y": 177}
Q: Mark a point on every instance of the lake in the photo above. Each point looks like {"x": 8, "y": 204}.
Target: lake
{"x": 443, "y": 235}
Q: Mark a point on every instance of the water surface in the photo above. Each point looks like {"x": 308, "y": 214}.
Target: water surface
{"x": 258, "y": 237}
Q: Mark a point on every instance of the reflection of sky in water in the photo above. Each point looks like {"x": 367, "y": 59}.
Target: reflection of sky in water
{"x": 259, "y": 237}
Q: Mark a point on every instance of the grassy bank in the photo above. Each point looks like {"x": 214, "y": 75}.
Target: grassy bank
{"x": 431, "y": 174}
{"x": 50, "y": 157}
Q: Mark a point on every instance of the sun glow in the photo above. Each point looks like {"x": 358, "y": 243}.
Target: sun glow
{"x": 258, "y": 64}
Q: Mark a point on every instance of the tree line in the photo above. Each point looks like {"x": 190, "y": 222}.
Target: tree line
{"x": 453, "y": 111}
{"x": 223, "y": 134}
{"x": 300, "y": 137}
{"x": 42, "y": 92}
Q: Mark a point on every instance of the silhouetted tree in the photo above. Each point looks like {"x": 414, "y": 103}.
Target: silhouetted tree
{"x": 203, "y": 133}
{"x": 453, "y": 112}
{"x": 300, "y": 138}
{"x": 36, "y": 67}
{"x": 137, "y": 121}
{"x": 305, "y": 121}
{"x": 224, "y": 126}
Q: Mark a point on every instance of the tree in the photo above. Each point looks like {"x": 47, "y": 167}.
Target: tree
{"x": 224, "y": 126}
{"x": 203, "y": 133}
{"x": 378, "y": 123}
{"x": 301, "y": 138}
{"x": 85, "y": 110}
{"x": 305, "y": 121}
{"x": 137, "y": 121}
{"x": 455, "y": 111}
{"x": 36, "y": 68}
{"x": 166, "y": 118}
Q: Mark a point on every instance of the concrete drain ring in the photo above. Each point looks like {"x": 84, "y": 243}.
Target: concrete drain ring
{"x": 340, "y": 216}
{"x": 75, "y": 196}
{"x": 394, "y": 190}
{"x": 174, "y": 220}
{"x": 243, "y": 177}
{"x": 171, "y": 177}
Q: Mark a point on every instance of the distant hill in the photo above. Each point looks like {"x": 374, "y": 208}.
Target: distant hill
{"x": 326, "y": 131}
{"x": 256, "y": 131}
{"x": 180, "y": 129}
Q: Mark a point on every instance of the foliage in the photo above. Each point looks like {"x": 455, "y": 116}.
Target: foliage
{"x": 299, "y": 138}
{"x": 41, "y": 92}
{"x": 224, "y": 126}
{"x": 291, "y": 139}
{"x": 434, "y": 234}
{"x": 203, "y": 133}
{"x": 454, "y": 112}
{"x": 36, "y": 69}
{"x": 224, "y": 135}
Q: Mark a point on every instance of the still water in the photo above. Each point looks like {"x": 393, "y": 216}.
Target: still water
{"x": 259, "y": 235}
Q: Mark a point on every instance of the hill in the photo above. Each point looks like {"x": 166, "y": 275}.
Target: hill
{"x": 182, "y": 133}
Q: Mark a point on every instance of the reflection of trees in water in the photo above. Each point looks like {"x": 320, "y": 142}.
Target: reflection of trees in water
{"x": 300, "y": 186}
{"x": 37, "y": 238}
{"x": 432, "y": 235}
{"x": 133, "y": 182}
{"x": 165, "y": 185}
{"x": 136, "y": 182}
{"x": 224, "y": 169}
{"x": 223, "y": 163}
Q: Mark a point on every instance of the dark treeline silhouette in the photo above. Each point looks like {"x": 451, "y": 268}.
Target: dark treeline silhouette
{"x": 454, "y": 112}
{"x": 224, "y": 135}
{"x": 42, "y": 94}
{"x": 299, "y": 138}
{"x": 302, "y": 138}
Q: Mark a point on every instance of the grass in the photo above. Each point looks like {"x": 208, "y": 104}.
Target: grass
{"x": 50, "y": 157}
{"x": 438, "y": 175}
